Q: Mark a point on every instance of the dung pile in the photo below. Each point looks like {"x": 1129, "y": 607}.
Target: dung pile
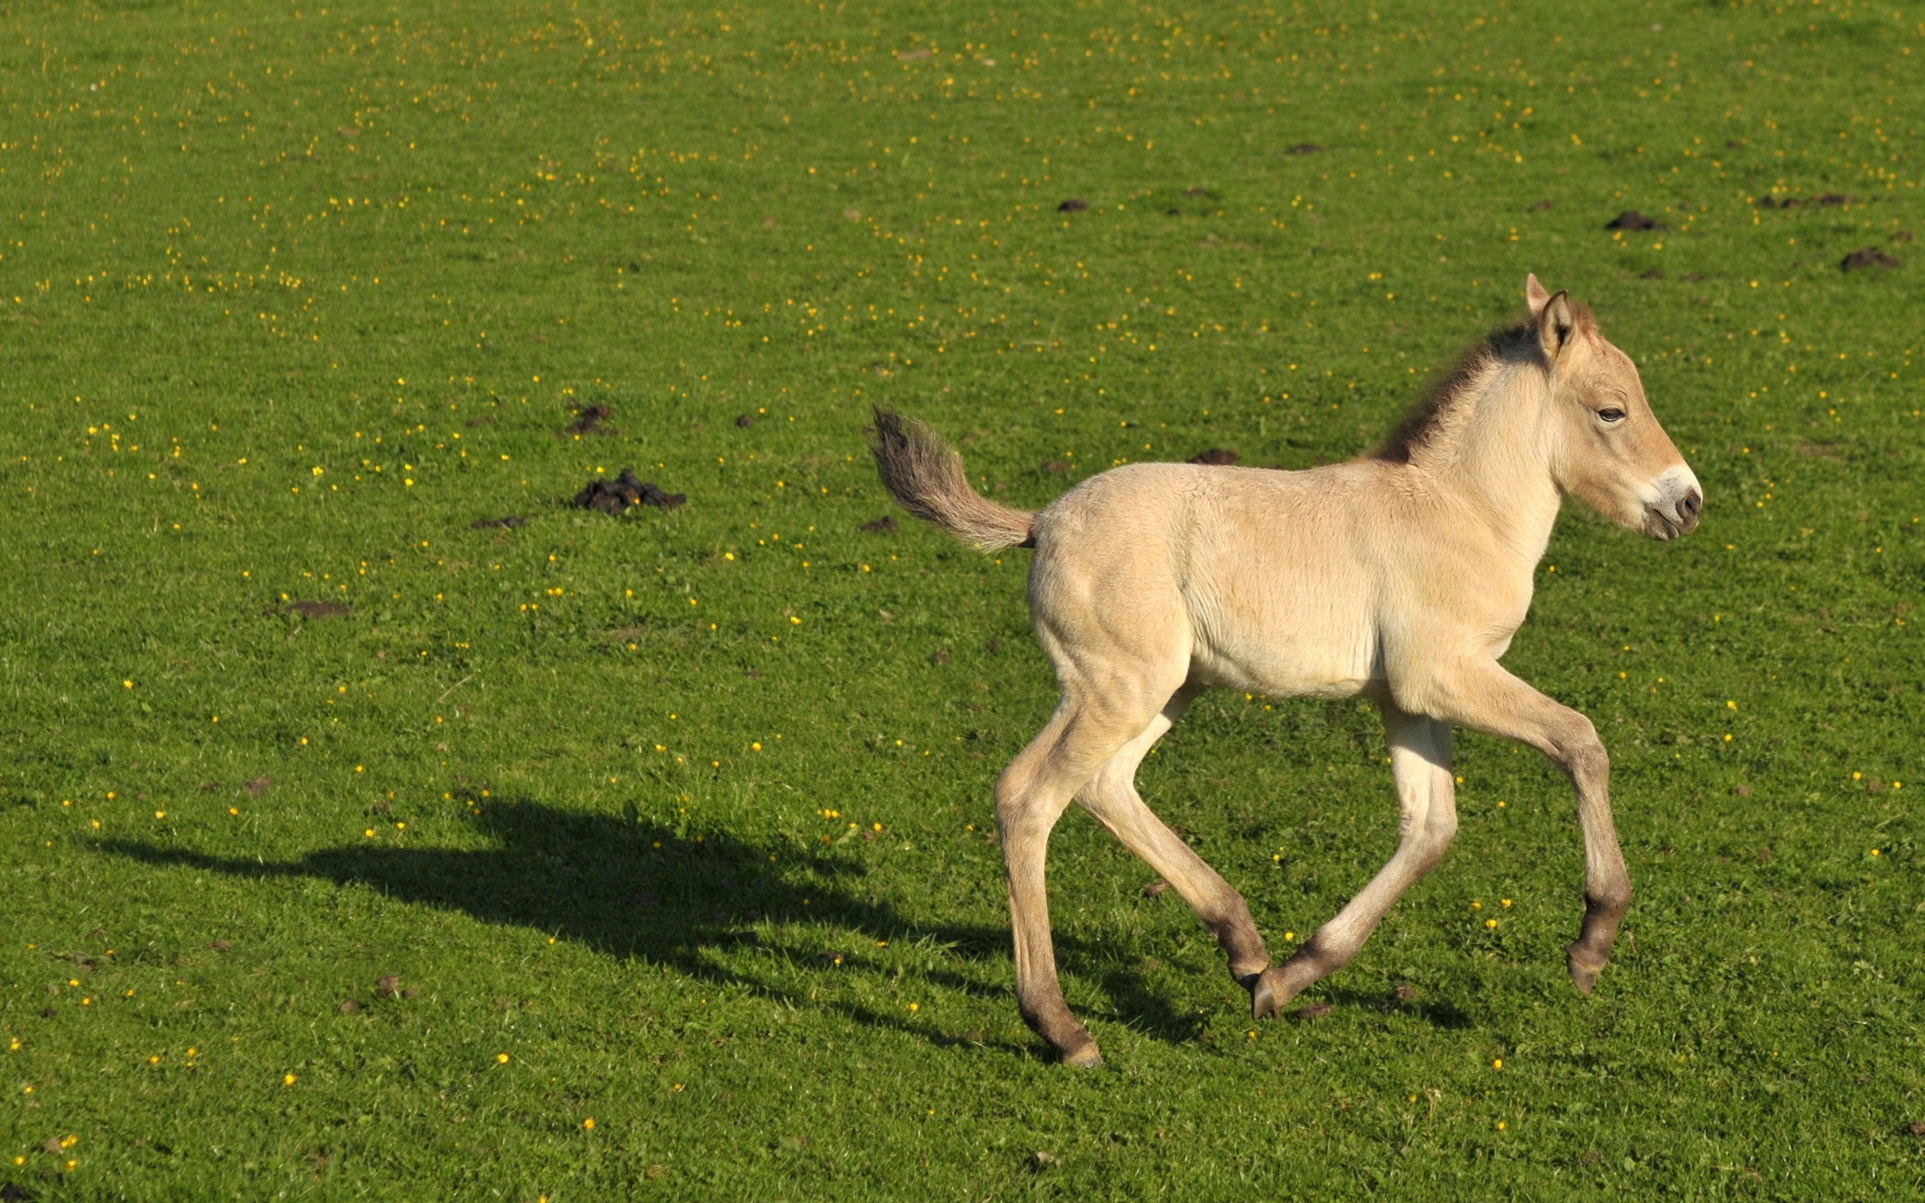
{"x": 618, "y": 495}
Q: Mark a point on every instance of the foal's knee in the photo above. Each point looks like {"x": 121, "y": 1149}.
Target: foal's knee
{"x": 1582, "y": 752}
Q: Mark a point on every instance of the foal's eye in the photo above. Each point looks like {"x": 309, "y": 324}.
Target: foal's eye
{"x": 1611, "y": 415}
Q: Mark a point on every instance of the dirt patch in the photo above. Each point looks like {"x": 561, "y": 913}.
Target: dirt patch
{"x": 884, "y": 525}
{"x": 1055, "y": 467}
{"x": 1405, "y": 992}
{"x": 1304, "y": 148}
{"x": 745, "y": 421}
{"x": 1217, "y": 457}
{"x": 1651, "y": 274}
{"x": 1074, "y": 204}
{"x": 509, "y": 523}
{"x": 1868, "y": 256}
{"x": 483, "y": 420}
{"x": 1311, "y": 1012}
{"x": 589, "y": 419}
{"x": 1631, "y": 219}
{"x": 348, "y": 1007}
{"x": 615, "y": 496}
{"x": 1199, "y": 192}
{"x": 389, "y": 985}
{"x": 1904, "y": 236}
{"x": 219, "y": 945}
{"x": 259, "y": 786}
{"x": 1156, "y": 889}
{"x": 316, "y": 609}
{"x": 920, "y": 54}
{"x": 347, "y": 131}
{"x": 852, "y": 214}
{"x": 939, "y": 657}
{"x": 1540, "y": 206}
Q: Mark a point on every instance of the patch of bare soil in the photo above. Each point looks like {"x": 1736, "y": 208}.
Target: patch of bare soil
{"x": 1313, "y": 1011}
{"x": 919, "y": 55}
{"x": 745, "y": 421}
{"x": 618, "y": 495}
{"x": 1868, "y": 256}
{"x": 259, "y": 786}
{"x": 884, "y": 525}
{"x": 1074, "y": 204}
{"x": 316, "y": 609}
{"x": 1304, "y": 148}
{"x": 509, "y": 523}
{"x": 1219, "y": 457}
{"x": 1055, "y": 467}
{"x": 1541, "y": 206}
{"x": 1631, "y": 219}
{"x": 589, "y": 419}
{"x": 483, "y": 420}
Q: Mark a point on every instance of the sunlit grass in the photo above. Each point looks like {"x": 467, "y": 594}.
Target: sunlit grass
{"x": 379, "y": 824}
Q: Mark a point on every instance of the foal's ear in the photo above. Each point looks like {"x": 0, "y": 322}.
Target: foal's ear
{"x": 1555, "y": 323}
{"x": 1535, "y": 294}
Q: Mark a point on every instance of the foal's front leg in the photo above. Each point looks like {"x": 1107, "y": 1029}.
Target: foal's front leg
{"x": 1481, "y": 695}
{"x": 1420, "y": 763}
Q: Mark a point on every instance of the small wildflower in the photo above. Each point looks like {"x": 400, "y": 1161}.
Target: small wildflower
{"x": 1498, "y": 1064}
{"x": 289, "y": 1080}
{"x": 589, "y": 1123}
{"x": 502, "y": 1058}
{"x": 1492, "y": 923}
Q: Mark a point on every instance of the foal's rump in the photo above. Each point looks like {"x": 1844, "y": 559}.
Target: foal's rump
{"x": 1247, "y": 578}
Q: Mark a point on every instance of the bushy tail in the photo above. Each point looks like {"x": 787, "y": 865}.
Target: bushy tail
{"x": 926, "y": 476}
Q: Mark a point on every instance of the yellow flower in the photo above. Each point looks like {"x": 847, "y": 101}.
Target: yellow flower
{"x": 502, "y": 1057}
{"x": 589, "y": 1123}
{"x": 288, "y": 1080}
{"x": 1490, "y": 923}
{"x": 1498, "y": 1064}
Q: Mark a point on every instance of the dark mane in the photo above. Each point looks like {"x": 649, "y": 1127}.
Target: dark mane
{"x": 1423, "y": 419}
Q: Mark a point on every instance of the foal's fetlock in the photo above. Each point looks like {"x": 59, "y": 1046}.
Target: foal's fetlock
{"x": 1071, "y": 1040}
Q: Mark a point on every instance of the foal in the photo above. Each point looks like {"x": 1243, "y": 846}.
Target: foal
{"x": 1399, "y": 577}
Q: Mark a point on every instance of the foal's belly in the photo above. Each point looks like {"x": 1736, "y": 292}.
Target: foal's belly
{"x": 1289, "y": 653}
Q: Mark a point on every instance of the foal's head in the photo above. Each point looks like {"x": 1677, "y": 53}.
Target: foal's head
{"x": 1607, "y": 446}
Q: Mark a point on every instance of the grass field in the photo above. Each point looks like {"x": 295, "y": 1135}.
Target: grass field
{"x": 647, "y": 856}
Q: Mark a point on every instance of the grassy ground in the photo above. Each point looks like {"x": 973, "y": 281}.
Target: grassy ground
{"x": 671, "y": 827}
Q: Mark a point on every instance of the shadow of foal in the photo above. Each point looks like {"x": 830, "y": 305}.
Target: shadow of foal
{"x": 715, "y": 908}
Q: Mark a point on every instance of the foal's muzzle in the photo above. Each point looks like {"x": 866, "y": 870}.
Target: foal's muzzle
{"x": 1679, "y": 505}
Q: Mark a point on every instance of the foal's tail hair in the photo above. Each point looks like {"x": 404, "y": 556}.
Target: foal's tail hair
{"x": 926, "y": 476}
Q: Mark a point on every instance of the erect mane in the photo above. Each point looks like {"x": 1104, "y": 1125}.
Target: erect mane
{"x": 1422, "y": 421}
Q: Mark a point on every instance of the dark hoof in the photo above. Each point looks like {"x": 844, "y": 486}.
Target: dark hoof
{"x": 1270, "y": 992}
{"x": 1084, "y": 1056}
{"x": 1583, "y": 976}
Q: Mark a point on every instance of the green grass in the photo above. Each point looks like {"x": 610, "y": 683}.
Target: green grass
{"x": 292, "y": 296}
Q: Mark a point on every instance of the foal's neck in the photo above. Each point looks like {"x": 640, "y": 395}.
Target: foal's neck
{"x": 1496, "y": 455}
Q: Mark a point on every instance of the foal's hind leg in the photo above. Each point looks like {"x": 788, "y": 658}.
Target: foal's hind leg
{"x": 1112, "y": 798}
{"x": 1420, "y": 763}
{"x": 1031, "y": 795}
